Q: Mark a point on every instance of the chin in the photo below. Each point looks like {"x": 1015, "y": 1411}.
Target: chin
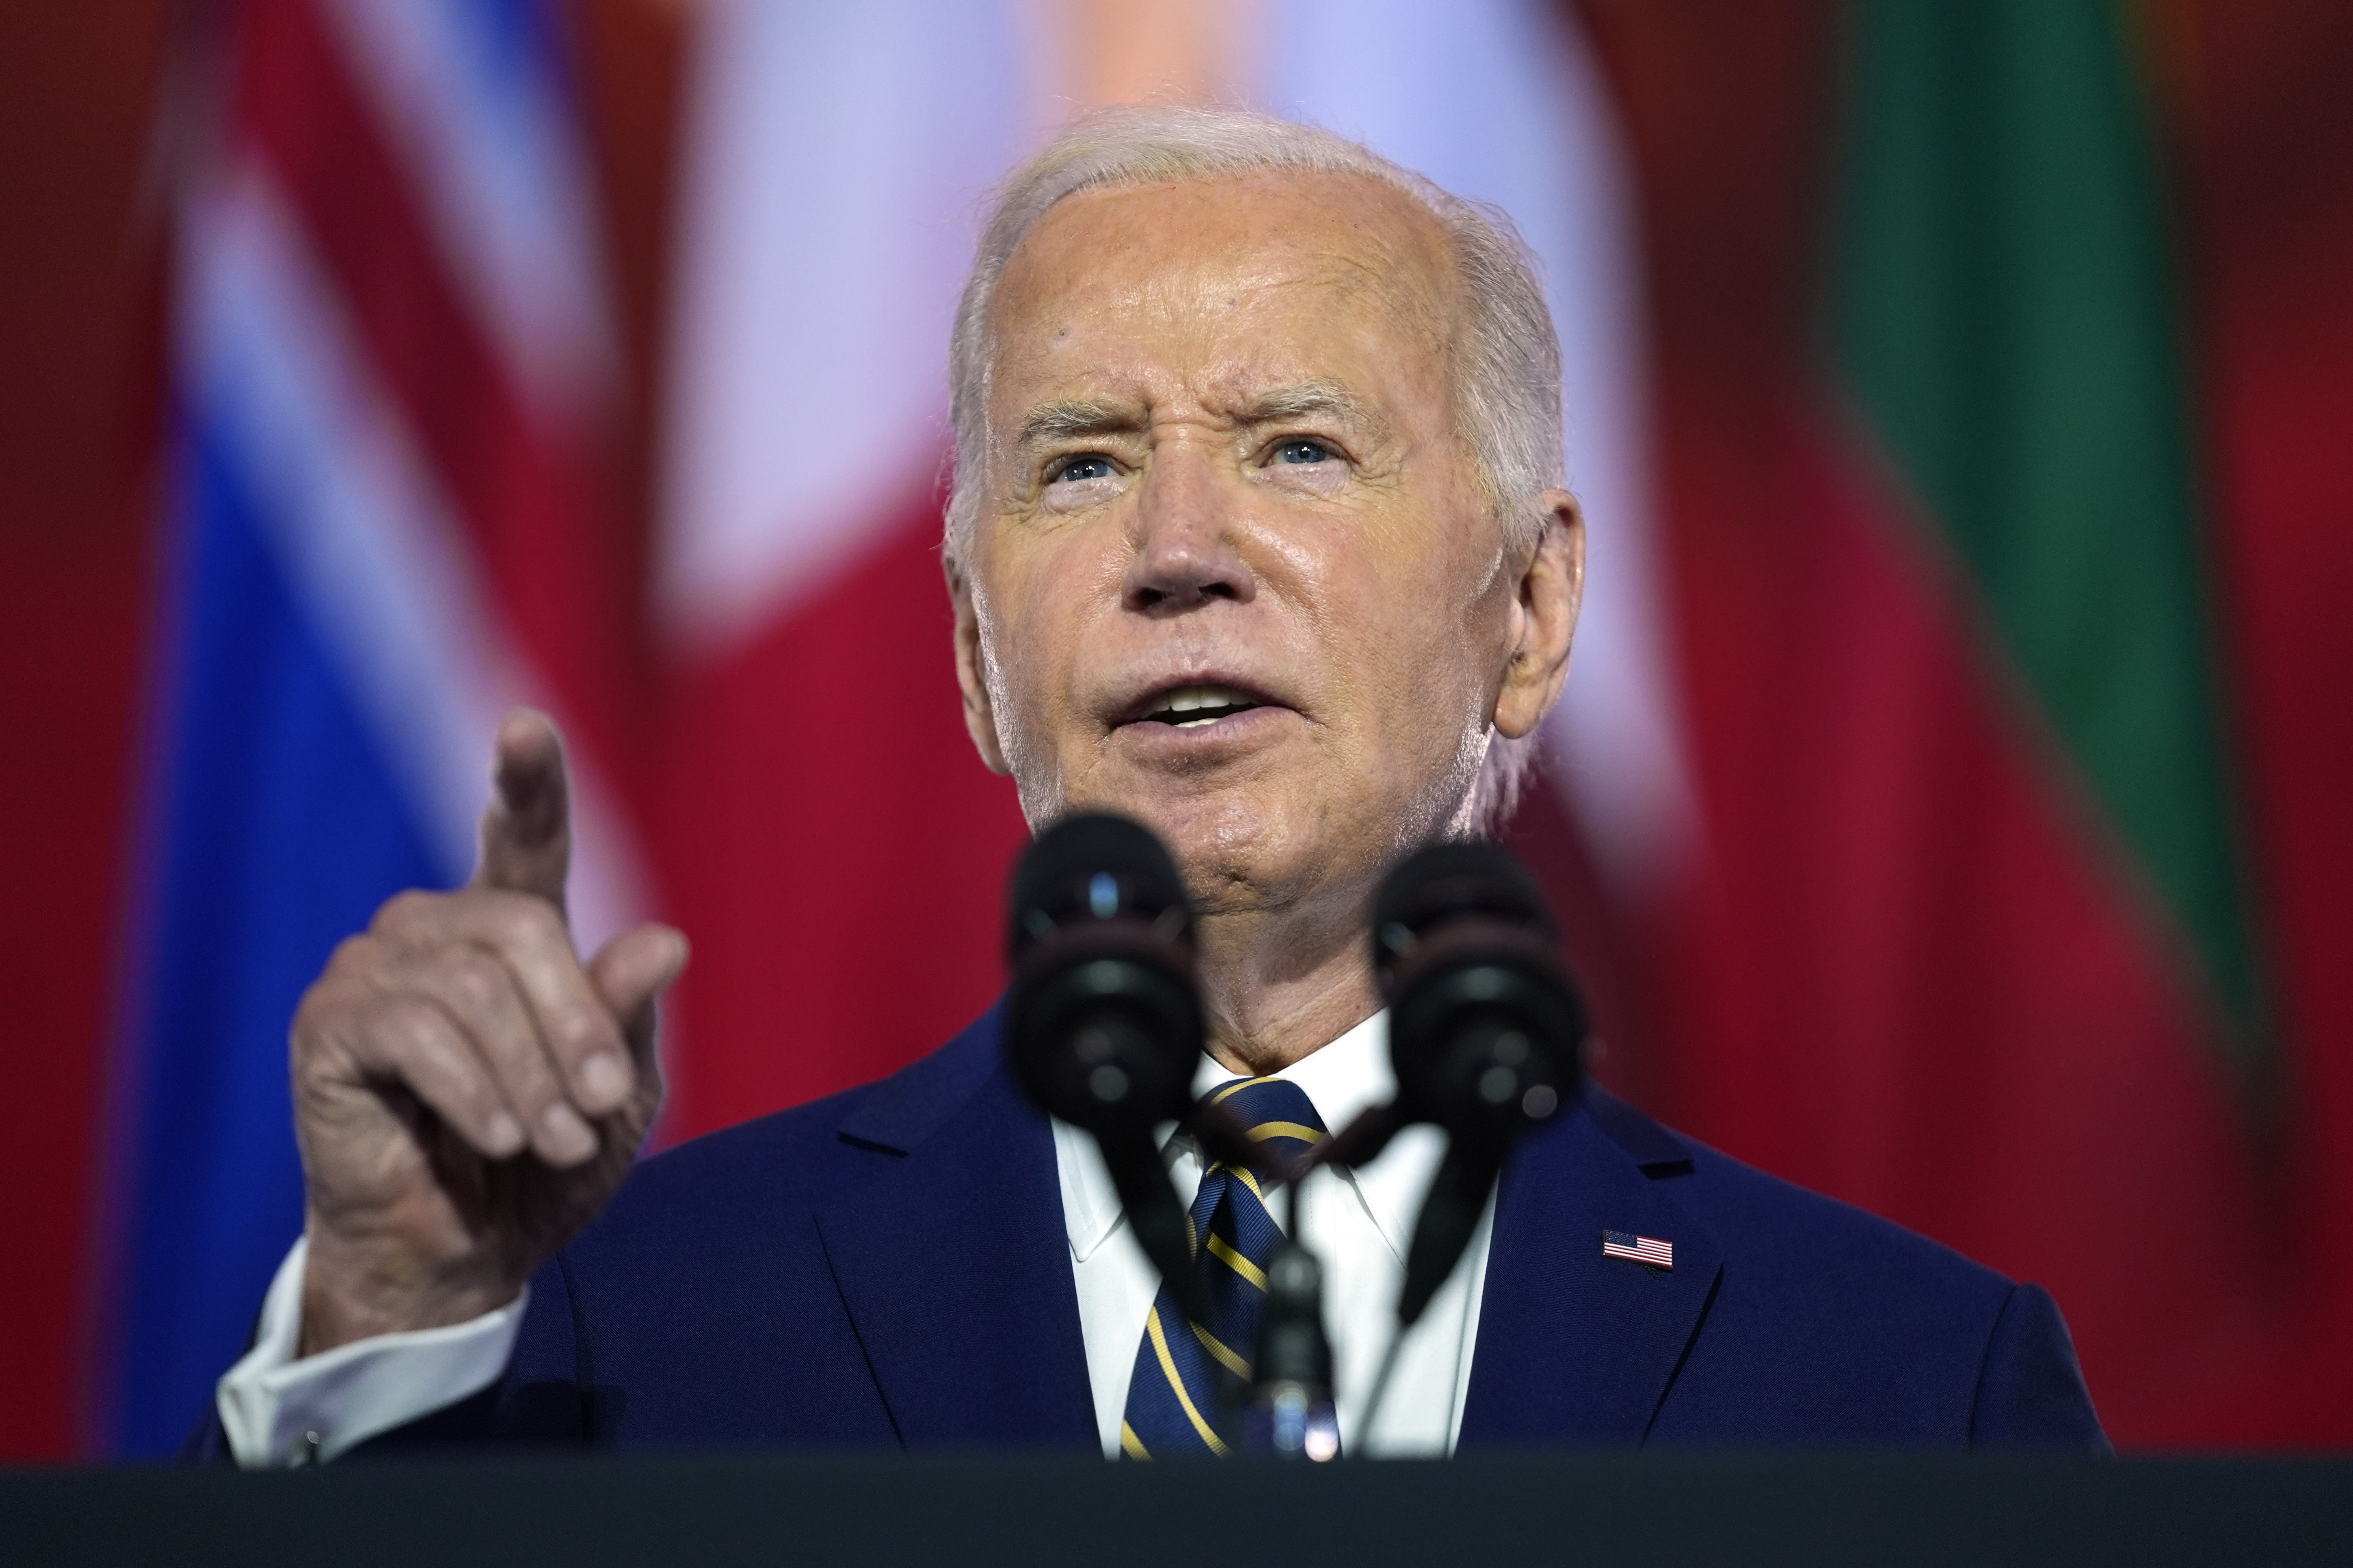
{"x": 1240, "y": 851}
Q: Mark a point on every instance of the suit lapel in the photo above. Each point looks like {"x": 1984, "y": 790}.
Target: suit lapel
{"x": 951, "y": 1257}
{"x": 1573, "y": 1347}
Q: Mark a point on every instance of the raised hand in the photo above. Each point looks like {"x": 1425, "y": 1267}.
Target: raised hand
{"x": 467, "y": 1093}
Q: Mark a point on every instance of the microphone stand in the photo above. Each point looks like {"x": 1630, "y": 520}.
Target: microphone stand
{"x": 1287, "y": 1383}
{"x": 1462, "y": 1181}
{"x": 1359, "y": 1143}
{"x": 1288, "y": 1411}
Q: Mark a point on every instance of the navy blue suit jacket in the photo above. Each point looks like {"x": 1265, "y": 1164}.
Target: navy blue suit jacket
{"x": 889, "y": 1267}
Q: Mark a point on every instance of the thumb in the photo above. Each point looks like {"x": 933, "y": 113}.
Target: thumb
{"x": 526, "y": 840}
{"x": 630, "y": 972}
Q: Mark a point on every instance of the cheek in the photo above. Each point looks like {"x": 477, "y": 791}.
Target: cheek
{"x": 1399, "y": 650}
{"x": 1046, "y": 592}
{"x": 1425, "y": 653}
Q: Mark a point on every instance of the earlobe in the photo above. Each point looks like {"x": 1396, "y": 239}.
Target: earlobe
{"x": 980, "y": 713}
{"x": 1551, "y": 591}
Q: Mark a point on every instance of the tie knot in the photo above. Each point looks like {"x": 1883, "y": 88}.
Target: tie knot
{"x": 1276, "y": 1112}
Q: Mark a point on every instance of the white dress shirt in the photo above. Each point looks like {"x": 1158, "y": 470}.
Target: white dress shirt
{"x": 279, "y": 1410}
{"x": 1356, "y": 1222}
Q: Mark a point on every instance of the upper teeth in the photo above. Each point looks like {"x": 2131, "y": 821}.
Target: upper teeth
{"x": 1185, "y": 698}
{"x": 1192, "y": 698}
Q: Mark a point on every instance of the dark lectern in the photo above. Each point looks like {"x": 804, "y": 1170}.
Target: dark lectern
{"x": 1650, "y": 1511}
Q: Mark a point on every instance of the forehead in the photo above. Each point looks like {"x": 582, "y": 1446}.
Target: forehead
{"x": 1164, "y": 256}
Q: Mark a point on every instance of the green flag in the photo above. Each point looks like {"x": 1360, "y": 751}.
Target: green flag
{"x": 2004, "y": 314}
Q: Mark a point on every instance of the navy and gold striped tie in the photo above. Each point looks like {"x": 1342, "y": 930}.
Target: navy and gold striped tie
{"x": 1173, "y": 1403}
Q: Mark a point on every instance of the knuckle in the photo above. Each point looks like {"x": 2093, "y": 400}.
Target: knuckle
{"x": 530, "y": 922}
{"x": 314, "y": 1021}
{"x": 410, "y": 1026}
{"x": 579, "y": 1030}
{"x": 477, "y": 1099}
{"x": 350, "y": 970}
{"x": 339, "y": 993}
{"x": 318, "y": 1006}
{"x": 404, "y": 911}
{"x": 472, "y": 979}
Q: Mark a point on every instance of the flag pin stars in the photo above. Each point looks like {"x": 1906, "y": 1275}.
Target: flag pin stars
{"x": 1646, "y": 1251}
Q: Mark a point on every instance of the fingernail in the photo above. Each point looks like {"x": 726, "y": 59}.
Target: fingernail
{"x": 603, "y": 1078}
{"x": 569, "y": 1135}
{"x": 502, "y": 1132}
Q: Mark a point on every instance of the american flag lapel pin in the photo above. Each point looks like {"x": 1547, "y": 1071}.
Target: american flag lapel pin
{"x": 1646, "y": 1251}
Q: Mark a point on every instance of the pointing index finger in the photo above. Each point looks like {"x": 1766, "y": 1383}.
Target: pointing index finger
{"x": 526, "y": 840}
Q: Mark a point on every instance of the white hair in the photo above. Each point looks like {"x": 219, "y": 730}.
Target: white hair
{"x": 1505, "y": 366}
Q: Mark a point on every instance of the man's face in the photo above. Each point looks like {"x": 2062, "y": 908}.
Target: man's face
{"x": 1234, "y": 574}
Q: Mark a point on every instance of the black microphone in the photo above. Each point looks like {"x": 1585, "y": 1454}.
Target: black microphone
{"x": 1486, "y": 1031}
{"x": 1103, "y": 1025}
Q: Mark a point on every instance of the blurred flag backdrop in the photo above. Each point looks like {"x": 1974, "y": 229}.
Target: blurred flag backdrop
{"x": 389, "y": 358}
{"x": 1943, "y": 806}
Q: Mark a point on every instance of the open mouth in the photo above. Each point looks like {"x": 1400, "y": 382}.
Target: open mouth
{"x": 1196, "y": 706}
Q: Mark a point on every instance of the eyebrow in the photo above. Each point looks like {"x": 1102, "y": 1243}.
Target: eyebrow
{"x": 1304, "y": 398}
{"x": 1063, "y": 418}
{"x": 1072, "y": 418}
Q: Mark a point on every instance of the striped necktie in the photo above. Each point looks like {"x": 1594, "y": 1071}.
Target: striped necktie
{"x": 1173, "y": 1400}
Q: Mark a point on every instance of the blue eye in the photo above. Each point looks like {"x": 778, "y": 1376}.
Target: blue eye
{"x": 1303, "y": 452}
{"x": 1089, "y": 466}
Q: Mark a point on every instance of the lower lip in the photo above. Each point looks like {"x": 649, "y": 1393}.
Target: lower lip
{"x": 1251, "y": 726}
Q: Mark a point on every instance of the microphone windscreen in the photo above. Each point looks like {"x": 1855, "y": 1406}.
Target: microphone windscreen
{"x": 1486, "y": 1026}
{"x": 1442, "y": 881}
{"x": 1098, "y": 865}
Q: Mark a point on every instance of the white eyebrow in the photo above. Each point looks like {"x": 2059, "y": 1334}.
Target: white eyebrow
{"x": 1303, "y": 398}
{"x": 1065, "y": 418}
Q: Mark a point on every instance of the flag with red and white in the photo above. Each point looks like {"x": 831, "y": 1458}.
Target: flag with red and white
{"x": 1646, "y": 1251}
{"x": 391, "y": 365}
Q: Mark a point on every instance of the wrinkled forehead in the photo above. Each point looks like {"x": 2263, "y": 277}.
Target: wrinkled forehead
{"x": 1152, "y": 252}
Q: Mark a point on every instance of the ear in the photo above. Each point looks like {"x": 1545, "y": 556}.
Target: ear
{"x": 1543, "y": 619}
{"x": 979, "y": 714}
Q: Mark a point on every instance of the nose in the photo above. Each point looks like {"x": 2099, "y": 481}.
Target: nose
{"x": 1184, "y": 553}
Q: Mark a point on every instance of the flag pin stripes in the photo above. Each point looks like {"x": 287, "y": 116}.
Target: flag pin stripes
{"x": 1644, "y": 1249}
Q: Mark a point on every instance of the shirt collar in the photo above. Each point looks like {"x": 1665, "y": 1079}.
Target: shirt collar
{"x": 1341, "y": 1079}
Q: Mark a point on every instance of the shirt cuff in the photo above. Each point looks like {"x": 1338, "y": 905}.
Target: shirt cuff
{"x": 279, "y": 1409}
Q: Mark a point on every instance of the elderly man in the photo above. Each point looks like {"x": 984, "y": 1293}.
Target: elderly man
{"x": 1257, "y": 536}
